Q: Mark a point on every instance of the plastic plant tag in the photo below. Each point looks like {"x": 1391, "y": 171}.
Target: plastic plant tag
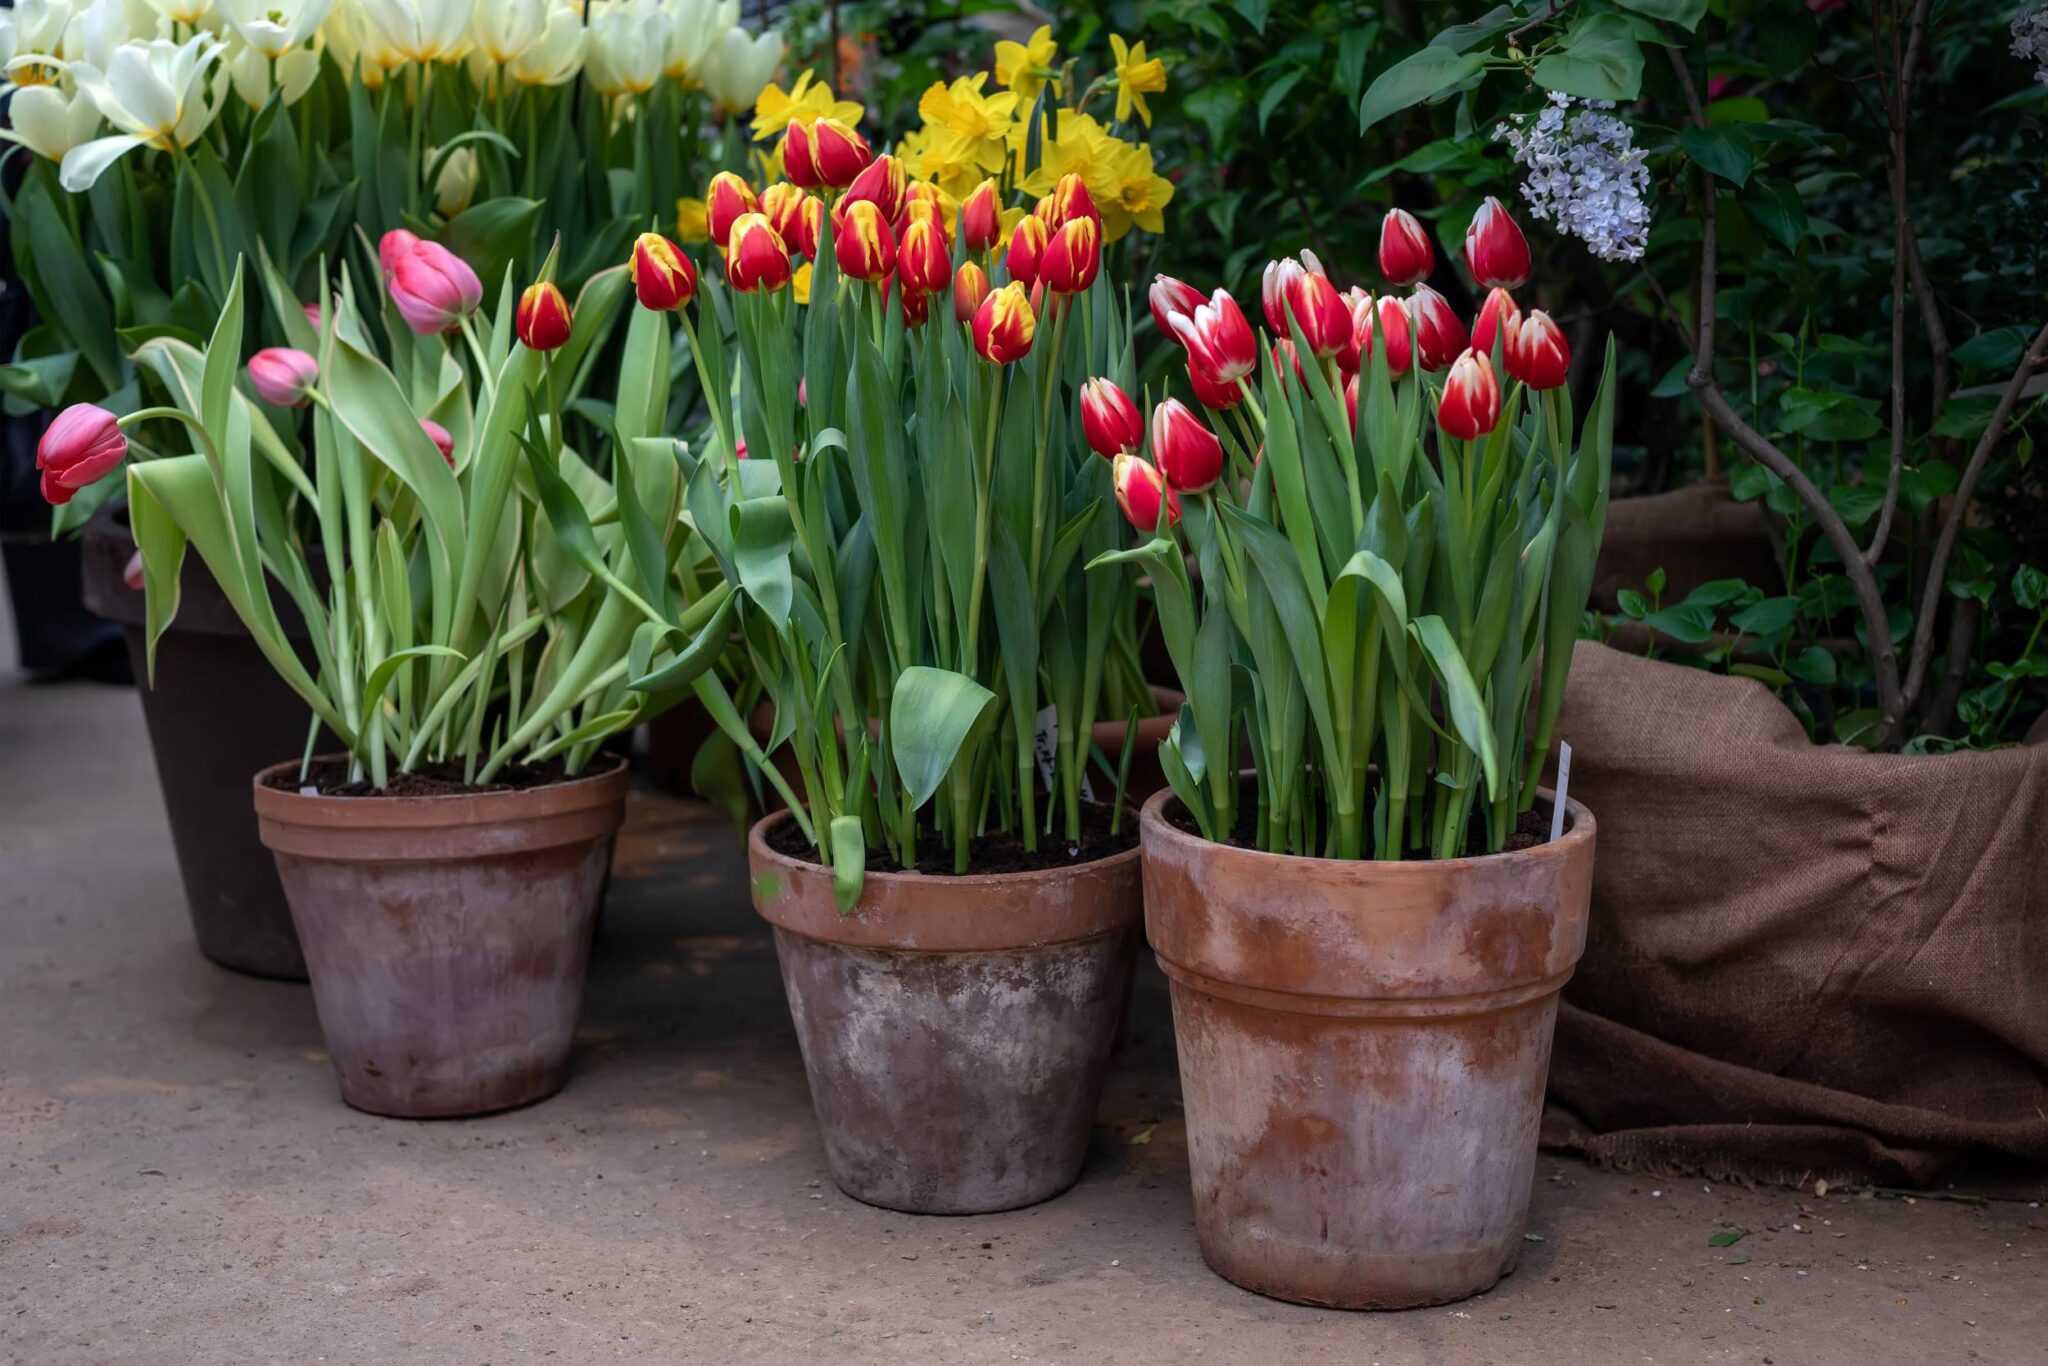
{"x": 1045, "y": 744}
{"x": 1564, "y": 782}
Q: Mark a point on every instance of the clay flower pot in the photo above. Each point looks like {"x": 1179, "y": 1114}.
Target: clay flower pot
{"x": 1146, "y": 777}
{"x": 955, "y": 1030}
{"x": 1363, "y": 1049}
{"x": 446, "y": 937}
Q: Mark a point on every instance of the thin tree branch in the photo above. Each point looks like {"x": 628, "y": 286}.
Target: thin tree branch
{"x": 1962, "y": 634}
{"x": 1896, "y": 111}
{"x": 1959, "y": 507}
{"x": 1678, "y": 323}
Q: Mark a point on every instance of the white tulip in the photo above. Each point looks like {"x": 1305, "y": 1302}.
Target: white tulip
{"x": 50, "y": 123}
{"x": 183, "y": 11}
{"x": 557, "y": 57}
{"x": 155, "y": 92}
{"x": 506, "y": 30}
{"x": 456, "y": 185}
{"x": 254, "y": 75}
{"x": 628, "y": 44}
{"x": 741, "y": 68}
{"x": 274, "y": 27}
{"x": 699, "y": 27}
{"x": 32, "y": 41}
{"x": 419, "y": 30}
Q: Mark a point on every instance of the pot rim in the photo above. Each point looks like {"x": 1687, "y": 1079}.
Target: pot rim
{"x": 588, "y": 789}
{"x": 1153, "y": 825}
{"x": 758, "y": 835}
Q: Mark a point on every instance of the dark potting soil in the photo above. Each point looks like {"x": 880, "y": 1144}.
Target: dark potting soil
{"x": 330, "y": 776}
{"x": 992, "y": 853}
{"x": 1531, "y": 829}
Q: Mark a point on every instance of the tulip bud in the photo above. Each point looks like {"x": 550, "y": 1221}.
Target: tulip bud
{"x": 131, "y": 572}
{"x": 789, "y": 211}
{"x": 1320, "y": 313}
{"x": 1495, "y": 249}
{"x": 1073, "y": 257}
{"x": 1285, "y": 357}
{"x": 1536, "y": 351}
{"x": 1406, "y": 256}
{"x": 434, "y": 289}
{"x": 1211, "y": 392}
{"x": 1274, "y": 286}
{"x": 81, "y": 446}
{"x": 864, "y": 242}
{"x": 1351, "y": 399}
{"x": 394, "y": 247}
{"x": 755, "y": 257}
{"x": 443, "y": 442}
{"x": 724, "y": 201}
{"x": 1471, "y": 402}
{"x": 970, "y": 287}
{"x": 1439, "y": 335}
{"x": 1218, "y": 339}
{"x": 1497, "y": 318}
{"x": 880, "y": 183}
{"x": 1068, "y": 201}
{"x": 1185, "y": 450}
{"x": 1140, "y": 491}
{"x": 1169, "y": 297}
{"x": 543, "y": 320}
{"x": 797, "y": 164}
{"x": 1004, "y": 325}
{"x": 981, "y": 218}
{"x": 838, "y": 154}
{"x": 663, "y": 278}
{"x": 1359, "y": 303}
{"x": 1027, "y": 247}
{"x": 1109, "y": 419}
{"x": 922, "y": 260}
{"x": 313, "y": 314}
{"x": 1398, "y": 335}
{"x": 283, "y": 376}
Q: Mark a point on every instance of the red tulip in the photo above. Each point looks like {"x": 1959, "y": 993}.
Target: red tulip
{"x": 1073, "y": 257}
{"x": 1109, "y": 419}
{"x": 755, "y": 257}
{"x": 921, "y": 202}
{"x": 1139, "y": 492}
{"x": 797, "y": 164}
{"x": 1497, "y": 318}
{"x": 1439, "y": 335}
{"x": 1170, "y": 297}
{"x": 838, "y": 154}
{"x": 1395, "y": 329}
{"x": 1285, "y": 357}
{"x": 443, "y": 442}
{"x": 394, "y": 247}
{"x": 1027, "y": 248}
{"x": 1406, "y": 255}
{"x": 81, "y": 446}
{"x": 1351, "y": 399}
{"x": 922, "y": 261}
{"x": 864, "y": 242}
{"x": 1004, "y": 325}
{"x": 1360, "y": 305}
{"x": 881, "y": 183}
{"x": 793, "y": 214}
{"x": 1068, "y": 201}
{"x": 543, "y": 320}
{"x": 1537, "y": 353}
{"x": 283, "y": 375}
{"x": 663, "y": 278}
{"x": 434, "y": 288}
{"x": 1495, "y": 249}
{"x": 1212, "y": 393}
{"x": 1471, "y": 402}
{"x": 1185, "y": 450}
{"x": 727, "y": 198}
{"x": 1218, "y": 339}
{"x": 917, "y": 307}
{"x": 131, "y": 572}
{"x": 1320, "y": 313}
{"x": 970, "y": 288}
{"x": 981, "y": 218}
{"x": 1273, "y": 288}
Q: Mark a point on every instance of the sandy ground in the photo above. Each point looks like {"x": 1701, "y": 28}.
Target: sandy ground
{"x": 180, "y": 1183}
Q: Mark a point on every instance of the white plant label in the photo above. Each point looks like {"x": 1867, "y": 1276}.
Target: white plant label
{"x": 1045, "y": 745}
{"x": 1564, "y": 782}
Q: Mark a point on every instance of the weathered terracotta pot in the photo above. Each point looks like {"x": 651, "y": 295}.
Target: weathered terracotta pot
{"x": 1362, "y": 1056}
{"x": 446, "y": 937}
{"x": 1146, "y": 777}
{"x": 955, "y": 1029}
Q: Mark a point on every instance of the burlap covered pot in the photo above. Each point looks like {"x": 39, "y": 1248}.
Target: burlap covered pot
{"x": 1804, "y": 961}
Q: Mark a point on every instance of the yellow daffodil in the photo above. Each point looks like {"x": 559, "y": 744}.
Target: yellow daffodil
{"x": 1136, "y": 78}
{"x": 809, "y": 99}
{"x": 1027, "y": 67}
{"x": 693, "y": 220}
{"x": 979, "y": 123}
{"x": 932, "y": 154}
{"x": 800, "y": 283}
{"x": 1137, "y": 194}
{"x": 1079, "y": 146}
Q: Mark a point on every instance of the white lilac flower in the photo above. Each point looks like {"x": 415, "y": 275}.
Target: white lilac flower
{"x": 2030, "y": 40}
{"x": 1586, "y": 176}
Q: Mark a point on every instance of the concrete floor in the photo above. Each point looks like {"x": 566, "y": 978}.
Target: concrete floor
{"x": 182, "y": 1184}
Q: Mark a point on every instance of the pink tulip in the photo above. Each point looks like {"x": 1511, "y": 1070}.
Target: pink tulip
{"x": 395, "y": 247}
{"x": 283, "y": 375}
{"x": 434, "y": 289}
{"x": 81, "y": 446}
{"x": 443, "y": 442}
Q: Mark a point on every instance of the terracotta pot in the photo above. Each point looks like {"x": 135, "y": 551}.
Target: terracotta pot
{"x": 446, "y": 937}
{"x": 955, "y": 1030}
{"x": 1362, "y": 1055}
{"x": 217, "y": 712}
{"x": 1146, "y": 777}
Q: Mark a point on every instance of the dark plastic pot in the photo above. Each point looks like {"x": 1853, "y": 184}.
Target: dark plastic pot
{"x": 217, "y": 713}
{"x": 446, "y": 937}
{"x": 955, "y": 1030}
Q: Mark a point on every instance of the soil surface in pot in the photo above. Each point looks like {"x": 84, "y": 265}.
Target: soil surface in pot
{"x": 1531, "y": 829}
{"x": 430, "y": 780}
{"x": 993, "y": 853}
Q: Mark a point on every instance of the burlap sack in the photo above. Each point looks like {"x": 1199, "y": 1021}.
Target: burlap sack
{"x": 1695, "y": 534}
{"x": 1804, "y": 961}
